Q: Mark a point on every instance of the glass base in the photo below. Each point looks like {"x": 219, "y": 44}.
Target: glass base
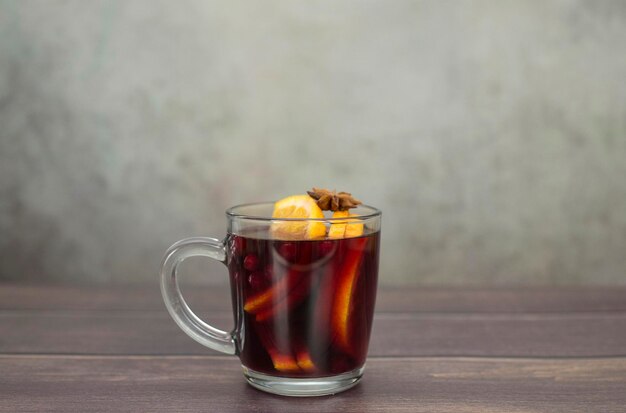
{"x": 318, "y": 386}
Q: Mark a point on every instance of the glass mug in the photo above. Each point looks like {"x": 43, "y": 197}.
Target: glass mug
{"x": 303, "y": 309}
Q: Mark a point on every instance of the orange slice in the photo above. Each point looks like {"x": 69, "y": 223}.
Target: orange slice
{"x": 296, "y": 289}
{"x": 338, "y": 228}
{"x": 344, "y": 295}
{"x": 298, "y": 206}
{"x": 354, "y": 230}
{"x": 282, "y": 359}
{"x": 276, "y": 293}
{"x": 345, "y": 229}
{"x": 284, "y": 362}
{"x": 304, "y": 361}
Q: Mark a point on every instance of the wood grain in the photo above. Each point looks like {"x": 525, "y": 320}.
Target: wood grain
{"x": 405, "y": 299}
{"x": 215, "y": 384}
{"x": 115, "y": 349}
{"x": 395, "y": 334}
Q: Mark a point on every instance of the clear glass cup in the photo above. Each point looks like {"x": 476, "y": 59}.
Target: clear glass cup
{"x": 303, "y": 309}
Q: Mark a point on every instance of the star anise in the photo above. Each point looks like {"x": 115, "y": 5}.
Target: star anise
{"x": 333, "y": 200}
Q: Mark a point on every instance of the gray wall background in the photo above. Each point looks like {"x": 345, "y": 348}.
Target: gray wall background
{"x": 491, "y": 133}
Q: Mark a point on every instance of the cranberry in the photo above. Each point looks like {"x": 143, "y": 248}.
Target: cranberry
{"x": 288, "y": 251}
{"x": 269, "y": 272}
{"x": 251, "y": 262}
{"x": 257, "y": 280}
{"x": 326, "y": 247}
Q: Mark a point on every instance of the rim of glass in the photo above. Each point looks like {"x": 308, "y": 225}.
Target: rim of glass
{"x": 231, "y": 213}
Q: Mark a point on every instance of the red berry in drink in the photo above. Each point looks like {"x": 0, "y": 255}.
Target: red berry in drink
{"x": 287, "y": 250}
{"x": 257, "y": 280}
{"x": 251, "y": 262}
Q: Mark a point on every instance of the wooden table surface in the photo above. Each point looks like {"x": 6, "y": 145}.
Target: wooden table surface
{"x": 433, "y": 350}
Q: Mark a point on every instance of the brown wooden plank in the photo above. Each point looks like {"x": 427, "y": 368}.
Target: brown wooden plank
{"x": 105, "y": 298}
{"x": 192, "y": 384}
{"x": 405, "y": 299}
{"x": 394, "y": 334}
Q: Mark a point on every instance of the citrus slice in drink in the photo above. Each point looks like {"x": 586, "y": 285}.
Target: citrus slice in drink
{"x": 354, "y": 228}
{"x": 294, "y": 207}
{"x": 345, "y": 291}
{"x": 286, "y": 293}
{"x": 263, "y": 300}
{"x": 345, "y": 229}
{"x": 282, "y": 358}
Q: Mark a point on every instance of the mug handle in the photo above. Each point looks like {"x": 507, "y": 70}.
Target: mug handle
{"x": 190, "y": 323}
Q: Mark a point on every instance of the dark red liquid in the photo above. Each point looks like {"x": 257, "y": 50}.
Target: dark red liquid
{"x": 303, "y": 308}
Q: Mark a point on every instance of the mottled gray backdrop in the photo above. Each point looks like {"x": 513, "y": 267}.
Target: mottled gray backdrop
{"x": 491, "y": 133}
